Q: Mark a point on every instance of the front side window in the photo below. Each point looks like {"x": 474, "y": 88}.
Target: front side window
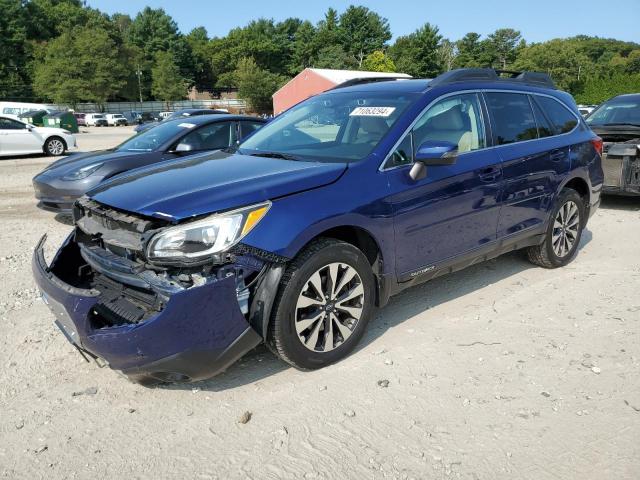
{"x": 512, "y": 117}
{"x": 456, "y": 119}
{"x": 8, "y": 124}
{"x": 247, "y": 128}
{"x": 563, "y": 120}
{"x": 214, "y": 136}
{"x": 336, "y": 126}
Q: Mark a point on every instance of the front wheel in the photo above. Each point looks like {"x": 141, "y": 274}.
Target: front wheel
{"x": 323, "y": 305}
{"x": 563, "y": 235}
{"x": 54, "y": 146}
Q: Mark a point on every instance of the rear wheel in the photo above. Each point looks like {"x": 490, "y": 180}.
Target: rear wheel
{"x": 563, "y": 235}
{"x": 54, "y": 146}
{"x": 323, "y": 305}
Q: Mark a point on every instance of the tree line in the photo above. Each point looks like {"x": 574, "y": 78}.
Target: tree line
{"x": 66, "y": 52}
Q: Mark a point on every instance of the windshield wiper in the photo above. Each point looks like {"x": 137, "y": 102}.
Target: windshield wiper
{"x": 284, "y": 156}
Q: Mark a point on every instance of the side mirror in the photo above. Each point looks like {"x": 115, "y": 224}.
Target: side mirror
{"x": 184, "y": 147}
{"x": 433, "y": 153}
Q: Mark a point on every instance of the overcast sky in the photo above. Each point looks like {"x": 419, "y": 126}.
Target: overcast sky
{"x": 540, "y": 20}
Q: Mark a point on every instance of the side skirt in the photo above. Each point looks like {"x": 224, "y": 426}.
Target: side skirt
{"x": 479, "y": 255}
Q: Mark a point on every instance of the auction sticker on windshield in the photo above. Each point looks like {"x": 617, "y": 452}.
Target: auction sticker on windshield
{"x": 187, "y": 125}
{"x": 372, "y": 111}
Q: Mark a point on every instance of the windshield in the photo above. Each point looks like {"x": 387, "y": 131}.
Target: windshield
{"x": 616, "y": 112}
{"x": 98, "y": 116}
{"x": 339, "y": 126}
{"x": 151, "y": 139}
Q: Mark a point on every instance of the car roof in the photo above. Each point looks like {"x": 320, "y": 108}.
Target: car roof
{"x": 194, "y": 110}
{"x": 202, "y": 119}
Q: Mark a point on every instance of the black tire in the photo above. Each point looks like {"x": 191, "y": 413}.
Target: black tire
{"x": 53, "y": 145}
{"x": 544, "y": 255}
{"x": 283, "y": 338}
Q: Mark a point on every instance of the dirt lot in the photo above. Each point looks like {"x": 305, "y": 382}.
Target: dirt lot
{"x": 500, "y": 371}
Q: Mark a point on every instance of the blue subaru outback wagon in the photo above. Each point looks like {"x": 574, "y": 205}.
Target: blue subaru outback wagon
{"x": 174, "y": 271}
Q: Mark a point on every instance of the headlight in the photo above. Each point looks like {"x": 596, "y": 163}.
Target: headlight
{"x": 83, "y": 172}
{"x": 194, "y": 242}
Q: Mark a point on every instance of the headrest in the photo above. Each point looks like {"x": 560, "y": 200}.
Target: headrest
{"x": 373, "y": 125}
{"x": 451, "y": 119}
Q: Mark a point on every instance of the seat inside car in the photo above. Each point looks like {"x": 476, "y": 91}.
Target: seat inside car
{"x": 453, "y": 125}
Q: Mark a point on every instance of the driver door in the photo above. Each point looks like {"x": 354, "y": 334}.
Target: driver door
{"x": 16, "y": 138}
{"x": 453, "y": 211}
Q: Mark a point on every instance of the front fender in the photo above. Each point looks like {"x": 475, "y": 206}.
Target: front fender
{"x": 295, "y": 220}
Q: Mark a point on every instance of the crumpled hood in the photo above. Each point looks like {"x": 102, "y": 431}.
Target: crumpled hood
{"x": 211, "y": 182}
{"x": 79, "y": 160}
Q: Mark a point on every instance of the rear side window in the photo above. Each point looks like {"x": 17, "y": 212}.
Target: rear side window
{"x": 545, "y": 129}
{"x": 512, "y": 117}
{"x": 563, "y": 120}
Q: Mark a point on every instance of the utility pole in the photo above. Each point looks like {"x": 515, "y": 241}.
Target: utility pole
{"x": 139, "y": 74}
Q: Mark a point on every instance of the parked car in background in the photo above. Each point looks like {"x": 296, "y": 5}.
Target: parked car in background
{"x": 62, "y": 182}
{"x": 585, "y": 110}
{"x": 175, "y": 270}
{"x": 165, "y": 115}
{"x": 96, "y": 120}
{"x": 20, "y": 138}
{"x": 617, "y": 122}
{"x": 81, "y": 119}
{"x": 185, "y": 112}
{"x": 116, "y": 119}
{"x": 133, "y": 118}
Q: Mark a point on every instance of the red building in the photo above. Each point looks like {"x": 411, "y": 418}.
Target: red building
{"x": 312, "y": 81}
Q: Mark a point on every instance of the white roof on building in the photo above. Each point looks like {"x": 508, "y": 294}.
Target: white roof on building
{"x": 341, "y": 76}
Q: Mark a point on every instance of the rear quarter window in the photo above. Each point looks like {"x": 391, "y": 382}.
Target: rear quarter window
{"x": 562, "y": 119}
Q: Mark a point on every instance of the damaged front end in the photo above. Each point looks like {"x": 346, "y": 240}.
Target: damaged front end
{"x": 154, "y": 321}
{"x": 621, "y": 162}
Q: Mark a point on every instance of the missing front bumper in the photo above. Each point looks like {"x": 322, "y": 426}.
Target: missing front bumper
{"x": 198, "y": 333}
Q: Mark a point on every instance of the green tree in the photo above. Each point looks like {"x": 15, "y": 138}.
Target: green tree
{"x": 153, "y": 31}
{"x": 378, "y": 61}
{"x": 598, "y": 89}
{"x": 470, "y": 51}
{"x": 503, "y": 46}
{"x": 362, "y": 32}
{"x": 417, "y": 53}
{"x": 167, "y": 83}
{"x": 256, "y": 85}
{"x": 561, "y": 59}
{"x": 15, "y": 77}
{"x": 198, "y": 41}
{"x": 83, "y": 64}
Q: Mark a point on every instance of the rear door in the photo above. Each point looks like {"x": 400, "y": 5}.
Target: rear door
{"x": 525, "y": 162}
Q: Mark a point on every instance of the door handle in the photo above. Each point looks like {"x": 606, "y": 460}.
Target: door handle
{"x": 557, "y": 155}
{"x": 489, "y": 174}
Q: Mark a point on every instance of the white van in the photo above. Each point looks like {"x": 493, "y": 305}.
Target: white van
{"x": 96, "y": 120}
{"x": 116, "y": 119}
{"x": 15, "y": 109}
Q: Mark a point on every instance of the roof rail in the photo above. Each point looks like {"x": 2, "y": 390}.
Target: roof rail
{"x": 536, "y": 79}
{"x": 364, "y": 80}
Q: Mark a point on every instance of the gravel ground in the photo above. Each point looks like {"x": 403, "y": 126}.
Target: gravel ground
{"x": 503, "y": 370}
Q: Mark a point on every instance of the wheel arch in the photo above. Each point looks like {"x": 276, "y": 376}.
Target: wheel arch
{"x": 264, "y": 295}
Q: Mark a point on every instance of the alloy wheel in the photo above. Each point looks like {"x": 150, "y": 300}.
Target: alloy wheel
{"x": 565, "y": 229}
{"x": 56, "y": 147}
{"x": 329, "y": 307}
